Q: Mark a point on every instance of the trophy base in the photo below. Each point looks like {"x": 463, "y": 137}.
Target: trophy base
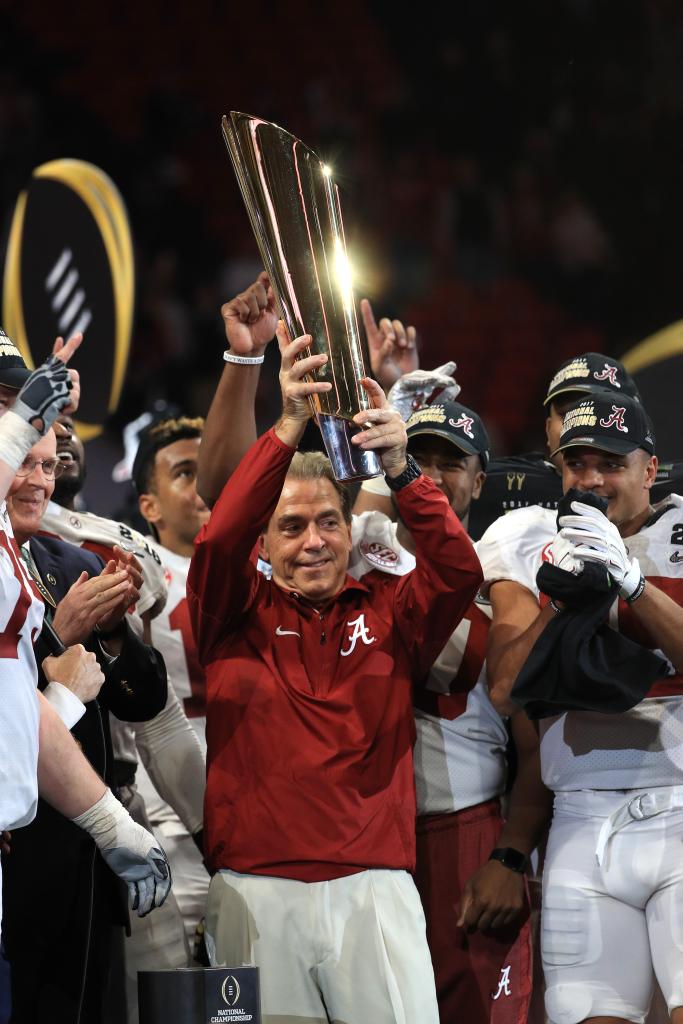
{"x": 348, "y": 461}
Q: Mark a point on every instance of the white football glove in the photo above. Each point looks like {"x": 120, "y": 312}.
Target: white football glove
{"x": 596, "y": 539}
{"x": 422, "y": 387}
{"x": 131, "y": 852}
{"x": 562, "y": 553}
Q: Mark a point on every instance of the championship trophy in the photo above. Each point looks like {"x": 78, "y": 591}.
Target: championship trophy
{"x": 295, "y": 214}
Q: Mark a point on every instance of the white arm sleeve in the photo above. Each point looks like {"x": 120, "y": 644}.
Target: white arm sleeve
{"x": 171, "y": 753}
{"x": 67, "y": 705}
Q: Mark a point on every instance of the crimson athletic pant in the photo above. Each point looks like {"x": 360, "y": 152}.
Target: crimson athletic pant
{"x": 481, "y": 979}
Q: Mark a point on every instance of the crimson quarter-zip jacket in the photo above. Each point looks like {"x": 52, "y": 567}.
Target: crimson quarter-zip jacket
{"x": 309, "y": 722}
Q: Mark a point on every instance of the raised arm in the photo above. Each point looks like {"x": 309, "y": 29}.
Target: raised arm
{"x": 50, "y": 389}
{"x": 431, "y": 600}
{"x": 250, "y": 320}
{"x": 222, "y": 579}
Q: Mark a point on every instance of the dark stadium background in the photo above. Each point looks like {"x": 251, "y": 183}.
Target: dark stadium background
{"x": 510, "y": 172}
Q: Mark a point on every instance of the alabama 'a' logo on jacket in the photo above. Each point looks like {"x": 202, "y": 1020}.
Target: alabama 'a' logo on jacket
{"x": 359, "y": 631}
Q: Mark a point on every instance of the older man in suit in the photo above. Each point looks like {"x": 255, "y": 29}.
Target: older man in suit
{"x": 59, "y": 923}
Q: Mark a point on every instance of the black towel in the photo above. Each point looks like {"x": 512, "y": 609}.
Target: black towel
{"x": 579, "y": 662}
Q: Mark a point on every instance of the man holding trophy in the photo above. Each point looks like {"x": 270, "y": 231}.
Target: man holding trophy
{"x": 310, "y": 800}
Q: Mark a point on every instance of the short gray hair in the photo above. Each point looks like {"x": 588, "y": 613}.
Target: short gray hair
{"x": 316, "y": 466}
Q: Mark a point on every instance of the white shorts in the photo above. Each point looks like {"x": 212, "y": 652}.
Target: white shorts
{"x": 606, "y": 925}
{"x": 352, "y": 949}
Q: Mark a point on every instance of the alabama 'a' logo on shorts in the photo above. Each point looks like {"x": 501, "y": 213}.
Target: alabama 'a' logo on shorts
{"x": 503, "y": 983}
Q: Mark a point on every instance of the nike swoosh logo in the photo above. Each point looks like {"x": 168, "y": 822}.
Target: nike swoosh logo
{"x": 285, "y": 632}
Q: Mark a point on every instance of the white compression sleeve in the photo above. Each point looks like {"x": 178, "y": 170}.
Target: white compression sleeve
{"x": 171, "y": 753}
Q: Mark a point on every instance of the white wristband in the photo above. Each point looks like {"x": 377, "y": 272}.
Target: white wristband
{"x": 17, "y": 437}
{"x": 230, "y": 357}
{"x": 68, "y": 706}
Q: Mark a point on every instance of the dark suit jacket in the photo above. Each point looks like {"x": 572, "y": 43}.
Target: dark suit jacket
{"x": 56, "y": 888}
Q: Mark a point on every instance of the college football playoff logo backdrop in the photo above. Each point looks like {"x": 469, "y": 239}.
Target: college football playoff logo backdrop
{"x": 68, "y": 268}
{"x": 656, "y": 365}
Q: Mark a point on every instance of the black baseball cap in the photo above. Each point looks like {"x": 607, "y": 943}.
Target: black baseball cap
{"x": 454, "y": 422}
{"x": 591, "y": 372}
{"x": 612, "y": 424}
{"x": 13, "y": 370}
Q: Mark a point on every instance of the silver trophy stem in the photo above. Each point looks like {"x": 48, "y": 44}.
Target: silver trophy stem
{"x": 348, "y": 461}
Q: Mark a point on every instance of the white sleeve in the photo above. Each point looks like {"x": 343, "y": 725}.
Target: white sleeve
{"x": 67, "y": 705}
{"x": 171, "y": 753}
{"x": 88, "y": 530}
{"x": 512, "y": 547}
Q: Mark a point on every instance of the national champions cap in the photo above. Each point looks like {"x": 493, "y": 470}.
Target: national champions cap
{"x": 13, "y": 370}
{"x": 618, "y": 425}
{"x": 455, "y": 423}
{"x": 591, "y": 372}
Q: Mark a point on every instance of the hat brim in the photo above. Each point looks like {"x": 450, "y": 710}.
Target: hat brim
{"x": 615, "y": 446}
{"x": 584, "y": 389}
{"x": 464, "y": 446}
{"x": 14, "y": 377}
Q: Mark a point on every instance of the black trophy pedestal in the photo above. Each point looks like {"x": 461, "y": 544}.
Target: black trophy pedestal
{"x": 202, "y": 996}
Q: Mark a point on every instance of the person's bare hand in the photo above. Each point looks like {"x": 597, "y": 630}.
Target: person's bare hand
{"x": 384, "y": 430}
{"x": 392, "y": 347}
{"x": 493, "y": 898}
{"x": 78, "y": 670}
{"x": 5, "y": 840}
{"x": 128, "y": 563}
{"x": 64, "y": 351}
{"x": 89, "y": 600}
{"x": 296, "y": 384}
{"x": 251, "y": 318}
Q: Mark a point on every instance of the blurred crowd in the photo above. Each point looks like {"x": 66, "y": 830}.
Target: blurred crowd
{"x": 508, "y": 174}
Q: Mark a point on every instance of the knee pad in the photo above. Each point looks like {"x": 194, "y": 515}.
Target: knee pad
{"x": 568, "y": 1002}
{"x": 572, "y": 1002}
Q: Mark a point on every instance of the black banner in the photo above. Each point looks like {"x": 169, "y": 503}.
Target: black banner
{"x": 68, "y": 268}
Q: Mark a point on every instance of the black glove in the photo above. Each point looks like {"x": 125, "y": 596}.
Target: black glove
{"x": 44, "y": 395}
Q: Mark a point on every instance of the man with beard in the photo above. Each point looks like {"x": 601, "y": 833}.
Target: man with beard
{"x": 518, "y": 481}
{"x": 612, "y": 880}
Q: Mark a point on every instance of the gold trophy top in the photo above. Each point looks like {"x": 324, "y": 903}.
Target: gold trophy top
{"x": 293, "y": 205}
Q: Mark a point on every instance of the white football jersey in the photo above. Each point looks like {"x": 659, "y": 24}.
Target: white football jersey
{"x": 84, "y": 529}
{"x": 640, "y": 748}
{"x": 460, "y": 751}
{"x": 21, "y": 618}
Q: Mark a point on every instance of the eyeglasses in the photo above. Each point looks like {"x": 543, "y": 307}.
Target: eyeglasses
{"x": 51, "y": 468}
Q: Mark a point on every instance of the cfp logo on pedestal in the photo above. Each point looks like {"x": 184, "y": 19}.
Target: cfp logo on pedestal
{"x": 230, "y": 990}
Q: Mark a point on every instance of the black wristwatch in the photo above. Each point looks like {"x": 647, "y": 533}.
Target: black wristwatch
{"x": 510, "y": 858}
{"x": 410, "y": 473}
